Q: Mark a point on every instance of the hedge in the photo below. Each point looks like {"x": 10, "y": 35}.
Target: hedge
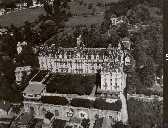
{"x": 56, "y": 100}
{"x": 98, "y": 103}
{"x": 86, "y": 103}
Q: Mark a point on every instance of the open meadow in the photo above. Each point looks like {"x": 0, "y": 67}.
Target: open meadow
{"x": 18, "y": 18}
{"x": 81, "y": 20}
{"x": 98, "y": 1}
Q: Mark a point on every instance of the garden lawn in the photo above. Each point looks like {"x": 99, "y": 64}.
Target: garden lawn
{"x": 18, "y": 18}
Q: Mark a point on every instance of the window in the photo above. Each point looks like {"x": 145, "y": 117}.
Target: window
{"x": 82, "y": 115}
{"x": 69, "y": 114}
{"x": 110, "y": 117}
{"x": 56, "y": 113}
{"x": 30, "y": 95}
{"x": 97, "y": 115}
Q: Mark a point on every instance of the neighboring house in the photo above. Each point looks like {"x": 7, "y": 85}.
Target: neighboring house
{"x": 20, "y": 45}
{"x": 2, "y": 11}
{"x": 24, "y": 120}
{"x": 3, "y": 31}
{"x": 75, "y": 122}
{"x": 113, "y": 19}
{"x": 5, "y": 107}
{"x": 33, "y": 91}
{"x": 118, "y": 20}
{"x": 19, "y": 73}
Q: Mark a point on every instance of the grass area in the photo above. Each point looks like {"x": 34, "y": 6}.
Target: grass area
{"x": 76, "y": 8}
{"x": 18, "y": 18}
{"x": 99, "y": 1}
{"x": 157, "y": 88}
{"x": 98, "y": 19}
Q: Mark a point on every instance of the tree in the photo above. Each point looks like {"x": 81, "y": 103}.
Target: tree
{"x": 27, "y": 57}
{"x": 123, "y": 30}
{"x": 9, "y": 46}
{"x": 24, "y": 81}
{"x": 57, "y": 12}
{"x": 90, "y": 6}
{"x": 59, "y": 123}
{"x": 86, "y": 103}
{"x": 81, "y": 3}
{"x": 80, "y": 90}
{"x": 149, "y": 113}
{"x": 56, "y": 100}
{"x": 51, "y": 87}
{"x": 29, "y": 3}
{"x": 85, "y": 123}
{"x": 119, "y": 124}
{"x": 48, "y": 9}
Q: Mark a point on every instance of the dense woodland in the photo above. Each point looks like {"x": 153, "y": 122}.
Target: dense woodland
{"x": 145, "y": 114}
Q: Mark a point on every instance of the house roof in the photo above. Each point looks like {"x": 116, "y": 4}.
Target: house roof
{"x": 25, "y": 118}
{"x": 5, "y": 125}
{"x": 113, "y": 16}
{"x": 34, "y": 89}
{"x": 49, "y": 115}
{"x": 16, "y": 109}
{"x": 75, "y": 120}
{"x": 126, "y": 39}
{"x": 4, "y": 105}
{"x": 25, "y": 68}
{"x": 3, "y": 30}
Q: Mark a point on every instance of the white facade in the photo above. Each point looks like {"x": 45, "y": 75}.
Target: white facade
{"x": 19, "y": 73}
{"x": 20, "y": 45}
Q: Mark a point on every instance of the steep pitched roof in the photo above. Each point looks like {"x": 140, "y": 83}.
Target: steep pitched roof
{"x": 75, "y": 120}
{"x": 113, "y": 16}
{"x": 126, "y": 39}
{"x": 25, "y": 68}
{"x": 25, "y": 118}
{"x": 34, "y": 89}
{"x": 4, "y": 105}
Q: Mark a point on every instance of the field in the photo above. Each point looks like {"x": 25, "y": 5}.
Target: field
{"x": 18, "y": 18}
{"x": 76, "y": 8}
{"x": 98, "y": 19}
{"x": 99, "y": 1}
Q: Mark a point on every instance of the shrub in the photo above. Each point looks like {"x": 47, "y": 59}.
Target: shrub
{"x": 102, "y": 104}
{"x": 90, "y": 6}
{"x": 56, "y": 100}
{"x": 86, "y": 103}
{"x": 59, "y": 123}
